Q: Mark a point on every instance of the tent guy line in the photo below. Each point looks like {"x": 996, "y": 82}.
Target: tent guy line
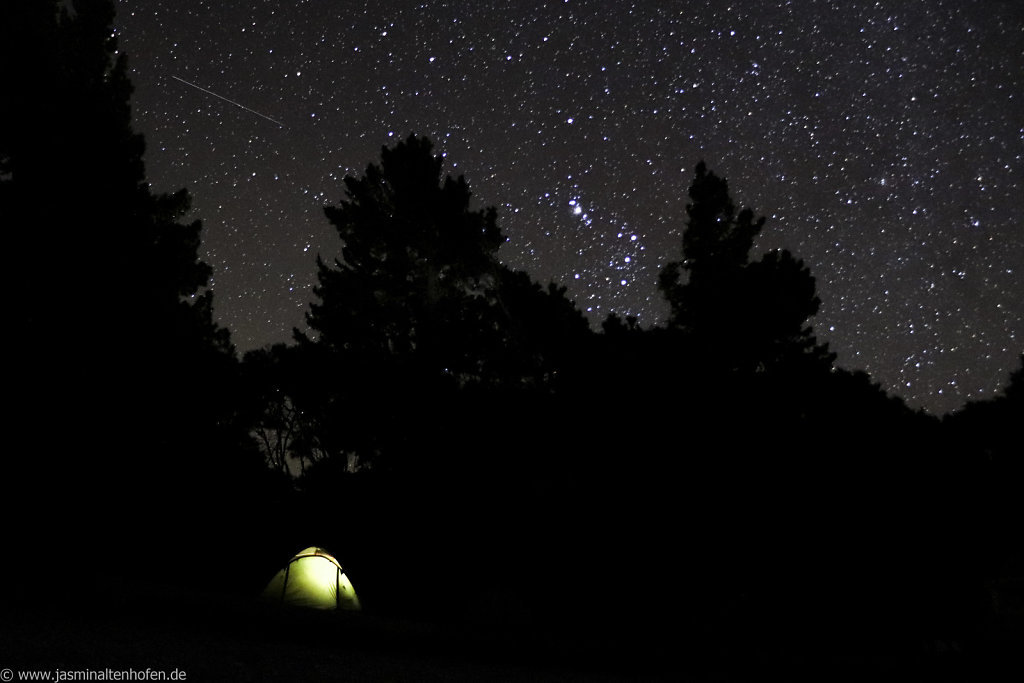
{"x": 242, "y": 106}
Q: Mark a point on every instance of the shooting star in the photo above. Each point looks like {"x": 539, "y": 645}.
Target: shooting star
{"x": 242, "y": 106}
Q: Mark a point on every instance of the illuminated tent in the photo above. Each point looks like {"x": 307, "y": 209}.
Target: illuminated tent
{"x": 313, "y": 578}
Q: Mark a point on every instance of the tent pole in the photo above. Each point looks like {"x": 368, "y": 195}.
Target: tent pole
{"x": 284, "y": 584}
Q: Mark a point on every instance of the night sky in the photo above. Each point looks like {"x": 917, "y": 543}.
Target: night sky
{"x": 884, "y": 141}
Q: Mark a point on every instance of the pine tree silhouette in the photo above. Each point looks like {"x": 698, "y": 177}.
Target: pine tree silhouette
{"x": 126, "y": 390}
{"x": 418, "y": 310}
{"x": 738, "y": 315}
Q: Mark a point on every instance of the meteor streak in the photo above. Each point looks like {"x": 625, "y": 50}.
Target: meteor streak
{"x": 241, "y": 106}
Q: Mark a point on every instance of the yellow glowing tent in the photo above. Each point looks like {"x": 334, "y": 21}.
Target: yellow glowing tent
{"x": 313, "y": 578}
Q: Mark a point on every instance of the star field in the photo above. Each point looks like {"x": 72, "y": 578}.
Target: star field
{"x": 883, "y": 140}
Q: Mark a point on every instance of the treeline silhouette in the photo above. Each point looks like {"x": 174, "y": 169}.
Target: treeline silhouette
{"x": 455, "y": 432}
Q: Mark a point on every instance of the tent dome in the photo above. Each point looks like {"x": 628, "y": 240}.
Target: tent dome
{"x": 313, "y": 578}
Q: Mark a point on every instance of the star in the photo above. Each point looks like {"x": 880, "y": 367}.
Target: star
{"x": 888, "y": 159}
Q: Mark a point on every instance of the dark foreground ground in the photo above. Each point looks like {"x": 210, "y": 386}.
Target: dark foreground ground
{"x": 227, "y": 638}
